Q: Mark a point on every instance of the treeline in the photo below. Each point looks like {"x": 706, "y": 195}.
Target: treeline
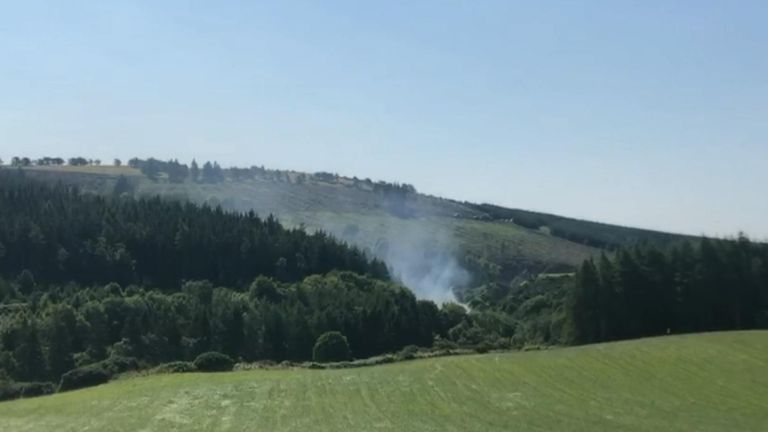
{"x": 644, "y": 291}
{"x": 211, "y": 172}
{"x": 61, "y": 235}
{"x": 176, "y": 172}
{"x": 594, "y": 234}
{"x": 57, "y": 328}
{"x": 23, "y": 162}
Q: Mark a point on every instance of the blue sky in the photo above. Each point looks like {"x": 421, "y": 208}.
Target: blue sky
{"x": 643, "y": 113}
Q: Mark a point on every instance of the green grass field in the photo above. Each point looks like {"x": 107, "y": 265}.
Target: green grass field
{"x": 707, "y": 382}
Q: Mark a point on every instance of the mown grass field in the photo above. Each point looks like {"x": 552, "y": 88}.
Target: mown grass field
{"x": 708, "y": 382}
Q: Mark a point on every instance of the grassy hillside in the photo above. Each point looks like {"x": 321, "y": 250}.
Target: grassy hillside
{"x": 706, "y": 382}
{"x": 350, "y": 209}
{"x": 437, "y": 247}
{"x": 580, "y": 231}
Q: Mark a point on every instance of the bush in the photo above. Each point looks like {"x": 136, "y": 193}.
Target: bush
{"x": 408, "y": 353}
{"x": 444, "y": 344}
{"x": 14, "y": 390}
{"x": 175, "y": 367}
{"x": 214, "y": 362}
{"x": 84, "y": 377}
{"x": 9, "y": 390}
{"x": 331, "y": 347}
{"x": 483, "y": 347}
{"x": 118, "y": 364}
{"x": 82, "y": 359}
{"x": 33, "y": 389}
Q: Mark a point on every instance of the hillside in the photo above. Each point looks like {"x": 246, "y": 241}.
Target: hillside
{"x": 705, "y": 382}
{"x": 436, "y": 246}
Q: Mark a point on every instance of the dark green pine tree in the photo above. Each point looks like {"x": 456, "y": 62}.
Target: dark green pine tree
{"x": 28, "y": 355}
{"x": 583, "y": 307}
{"x": 122, "y": 186}
{"x": 194, "y": 171}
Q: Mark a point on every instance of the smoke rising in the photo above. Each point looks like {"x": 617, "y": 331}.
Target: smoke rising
{"x": 419, "y": 254}
{"x": 430, "y": 276}
{"x": 412, "y": 234}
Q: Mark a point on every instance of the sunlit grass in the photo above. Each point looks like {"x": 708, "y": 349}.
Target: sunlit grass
{"x": 707, "y": 382}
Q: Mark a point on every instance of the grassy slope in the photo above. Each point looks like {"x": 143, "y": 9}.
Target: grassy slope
{"x": 502, "y": 243}
{"x": 706, "y": 382}
{"x": 334, "y": 207}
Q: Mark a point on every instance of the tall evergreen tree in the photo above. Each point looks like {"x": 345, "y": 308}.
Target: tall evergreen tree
{"x": 194, "y": 171}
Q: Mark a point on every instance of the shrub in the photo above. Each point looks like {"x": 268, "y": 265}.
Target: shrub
{"x": 214, "y": 362}
{"x": 483, "y": 347}
{"x": 9, "y": 390}
{"x": 445, "y": 344}
{"x": 408, "y": 353}
{"x": 176, "y": 367}
{"x": 82, "y": 359}
{"x": 122, "y": 348}
{"x": 84, "y": 377}
{"x": 331, "y": 347}
{"x": 32, "y": 389}
{"x": 118, "y": 364}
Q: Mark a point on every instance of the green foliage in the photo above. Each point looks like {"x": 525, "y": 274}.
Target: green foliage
{"x": 55, "y": 234}
{"x": 118, "y": 364}
{"x": 452, "y": 314}
{"x": 122, "y": 187}
{"x": 408, "y": 353}
{"x": 175, "y": 367}
{"x": 483, "y": 347}
{"x": 214, "y": 362}
{"x": 26, "y": 282}
{"x": 14, "y": 390}
{"x": 33, "y": 389}
{"x": 84, "y": 377}
{"x": 719, "y": 285}
{"x": 331, "y": 347}
{"x": 265, "y": 289}
{"x": 120, "y": 330}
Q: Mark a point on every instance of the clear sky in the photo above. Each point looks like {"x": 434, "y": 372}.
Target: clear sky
{"x": 643, "y": 113}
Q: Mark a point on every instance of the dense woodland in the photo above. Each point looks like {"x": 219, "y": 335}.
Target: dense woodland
{"x": 644, "y": 291}
{"x": 62, "y": 235}
{"x": 55, "y": 328}
{"x": 88, "y": 279}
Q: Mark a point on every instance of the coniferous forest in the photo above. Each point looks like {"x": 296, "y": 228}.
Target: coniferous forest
{"x": 645, "y": 291}
{"x": 62, "y": 235}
